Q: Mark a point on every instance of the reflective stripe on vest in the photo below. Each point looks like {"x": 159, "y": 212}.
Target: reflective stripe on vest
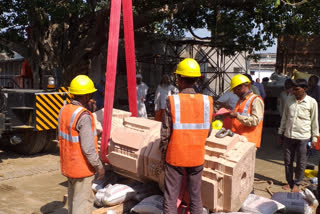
{"x": 246, "y": 107}
{"x": 74, "y": 115}
{"x": 73, "y": 139}
{"x": 190, "y": 126}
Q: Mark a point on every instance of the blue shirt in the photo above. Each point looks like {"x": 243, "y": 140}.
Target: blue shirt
{"x": 100, "y": 95}
{"x": 261, "y": 89}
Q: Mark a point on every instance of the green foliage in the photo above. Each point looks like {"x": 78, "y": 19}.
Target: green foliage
{"x": 251, "y": 27}
{"x": 36, "y": 16}
{"x": 235, "y": 27}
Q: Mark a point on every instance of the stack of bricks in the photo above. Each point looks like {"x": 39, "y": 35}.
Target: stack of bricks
{"x": 228, "y": 174}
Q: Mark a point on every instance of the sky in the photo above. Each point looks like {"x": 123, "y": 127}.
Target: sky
{"x": 205, "y": 33}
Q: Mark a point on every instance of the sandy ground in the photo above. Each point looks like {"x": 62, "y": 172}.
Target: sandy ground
{"x": 33, "y": 184}
{"x": 30, "y": 184}
{"x": 269, "y": 164}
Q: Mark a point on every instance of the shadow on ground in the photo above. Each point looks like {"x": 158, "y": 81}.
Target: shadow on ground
{"x": 271, "y": 150}
{"x": 269, "y": 169}
{"x": 265, "y": 178}
{"x": 65, "y": 184}
{"x": 55, "y": 207}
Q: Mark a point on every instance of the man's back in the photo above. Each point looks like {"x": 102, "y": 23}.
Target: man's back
{"x": 191, "y": 122}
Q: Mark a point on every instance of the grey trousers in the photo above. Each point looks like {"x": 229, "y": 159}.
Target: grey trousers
{"x": 80, "y": 195}
{"x": 290, "y": 148}
{"x": 172, "y": 183}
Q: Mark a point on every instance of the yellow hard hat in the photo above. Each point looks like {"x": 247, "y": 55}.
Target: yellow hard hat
{"x": 188, "y": 68}
{"x": 217, "y": 124}
{"x": 238, "y": 80}
{"x": 81, "y": 85}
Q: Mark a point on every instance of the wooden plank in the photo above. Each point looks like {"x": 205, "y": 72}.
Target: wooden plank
{"x": 118, "y": 209}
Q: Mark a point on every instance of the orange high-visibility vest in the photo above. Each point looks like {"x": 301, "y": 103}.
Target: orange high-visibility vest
{"x": 191, "y": 120}
{"x": 73, "y": 162}
{"x": 253, "y": 133}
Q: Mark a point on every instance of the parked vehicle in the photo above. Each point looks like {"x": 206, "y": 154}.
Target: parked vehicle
{"x": 29, "y": 117}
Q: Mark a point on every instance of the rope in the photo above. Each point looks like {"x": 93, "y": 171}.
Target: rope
{"x": 268, "y": 188}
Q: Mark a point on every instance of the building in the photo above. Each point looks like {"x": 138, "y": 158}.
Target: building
{"x": 263, "y": 67}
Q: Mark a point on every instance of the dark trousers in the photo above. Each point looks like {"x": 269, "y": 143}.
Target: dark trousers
{"x": 318, "y": 179}
{"x": 172, "y": 183}
{"x": 290, "y": 148}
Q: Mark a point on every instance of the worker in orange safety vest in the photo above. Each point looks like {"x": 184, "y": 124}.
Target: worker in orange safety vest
{"x": 248, "y": 113}
{"x": 185, "y": 127}
{"x": 79, "y": 157}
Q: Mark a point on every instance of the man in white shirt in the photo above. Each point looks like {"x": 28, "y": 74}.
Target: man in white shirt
{"x": 164, "y": 90}
{"x": 142, "y": 91}
{"x": 299, "y": 124}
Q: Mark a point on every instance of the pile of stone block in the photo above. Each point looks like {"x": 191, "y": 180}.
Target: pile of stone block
{"x": 228, "y": 174}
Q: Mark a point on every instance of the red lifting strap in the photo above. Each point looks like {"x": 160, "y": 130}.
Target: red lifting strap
{"x": 130, "y": 55}
{"x": 111, "y": 68}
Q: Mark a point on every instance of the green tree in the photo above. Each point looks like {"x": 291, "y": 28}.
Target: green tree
{"x": 67, "y": 34}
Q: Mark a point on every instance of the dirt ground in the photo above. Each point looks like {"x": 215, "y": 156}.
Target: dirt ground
{"x": 30, "y": 184}
{"x": 269, "y": 164}
{"x": 34, "y": 184}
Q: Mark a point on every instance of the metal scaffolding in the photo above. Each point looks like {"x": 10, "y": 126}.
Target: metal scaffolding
{"x": 217, "y": 69}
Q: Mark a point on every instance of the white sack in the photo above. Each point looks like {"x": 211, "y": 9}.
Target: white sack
{"x": 98, "y": 198}
{"x": 260, "y": 205}
{"x": 311, "y": 198}
{"x": 97, "y": 185}
{"x": 118, "y": 194}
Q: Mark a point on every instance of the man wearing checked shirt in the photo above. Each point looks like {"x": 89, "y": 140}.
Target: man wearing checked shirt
{"x": 299, "y": 125}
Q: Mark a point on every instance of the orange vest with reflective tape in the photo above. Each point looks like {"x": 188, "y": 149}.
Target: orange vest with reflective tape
{"x": 252, "y": 133}
{"x": 191, "y": 121}
{"x": 73, "y": 162}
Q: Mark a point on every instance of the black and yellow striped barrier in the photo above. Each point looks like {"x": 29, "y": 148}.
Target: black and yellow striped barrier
{"x": 48, "y": 105}
{"x": 67, "y": 94}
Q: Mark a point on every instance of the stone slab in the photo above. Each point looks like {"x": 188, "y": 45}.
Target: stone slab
{"x": 123, "y": 161}
{"x": 228, "y": 172}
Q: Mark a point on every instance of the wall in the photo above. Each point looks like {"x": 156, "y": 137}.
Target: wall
{"x": 298, "y": 52}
